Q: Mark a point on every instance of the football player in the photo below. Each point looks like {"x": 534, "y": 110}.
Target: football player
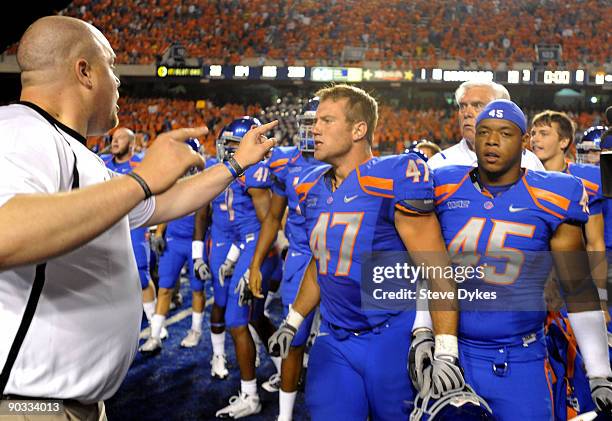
{"x": 123, "y": 160}
{"x": 297, "y": 259}
{"x": 503, "y": 219}
{"x": 247, "y": 200}
{"x": 355, "y": 205}
{"x": 178, "y": 251}
{"x": 471, "y": 97}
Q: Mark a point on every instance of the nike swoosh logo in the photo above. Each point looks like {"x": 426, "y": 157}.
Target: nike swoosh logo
{"x": 219, "y": 244}
{"x": 350, "y": 199}
{"x": 513, "y": 209}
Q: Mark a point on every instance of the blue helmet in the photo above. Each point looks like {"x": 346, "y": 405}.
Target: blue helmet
{"x": 233, "y": 132}
{"x": 306, "y": 122}
{"x": 195, "y": 145}
{"x": 460, "y": 405}
{"x": 589, "y": 146}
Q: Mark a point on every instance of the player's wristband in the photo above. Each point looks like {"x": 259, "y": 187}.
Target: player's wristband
{"x": 230, "y": 169}
{"x": 294, "y": 318}
{"x": 143, "y": 184}
{"x": 446, "y": 345}
{"x": 233, "y": 254}
{"x": 239, "y": 170}
{"x": 197, "y": 249}
{"x": 603, "y": 294}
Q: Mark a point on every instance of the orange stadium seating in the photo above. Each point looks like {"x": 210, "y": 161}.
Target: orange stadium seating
{"x": 398, "y": 33}
{"x": 397, "y": 127}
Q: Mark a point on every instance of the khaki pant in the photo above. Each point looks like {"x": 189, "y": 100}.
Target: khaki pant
{"x": 73, "y": 411}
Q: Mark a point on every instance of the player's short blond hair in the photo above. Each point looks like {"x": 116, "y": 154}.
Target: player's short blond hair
{"x": 361, "y": 105}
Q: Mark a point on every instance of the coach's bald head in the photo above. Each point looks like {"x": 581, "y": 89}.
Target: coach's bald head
{"x": 50, "y": 46}
{"x": 67, "y": 67}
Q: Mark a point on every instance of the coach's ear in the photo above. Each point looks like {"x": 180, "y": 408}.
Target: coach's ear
{"x": 83, "y": 73}
{"x": 360, "y": 129}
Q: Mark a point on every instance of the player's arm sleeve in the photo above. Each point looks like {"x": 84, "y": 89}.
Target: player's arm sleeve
{"x": 142, "y": 212}
{"x": 412, "y": 185}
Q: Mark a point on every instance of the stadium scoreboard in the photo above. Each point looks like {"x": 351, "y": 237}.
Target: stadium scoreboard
{"x": 325, "y": 74}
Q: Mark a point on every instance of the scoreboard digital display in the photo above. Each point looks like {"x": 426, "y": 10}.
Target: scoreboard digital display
{"x": 357, "y": 74}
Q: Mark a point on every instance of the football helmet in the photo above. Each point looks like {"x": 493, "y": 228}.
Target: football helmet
{"x": 195, "y": 145}
{"x": 588, "y": 147}
{"x": 306, "y": 122}
{"x": 233, "y": 132}
{"x": 460, "y": 405}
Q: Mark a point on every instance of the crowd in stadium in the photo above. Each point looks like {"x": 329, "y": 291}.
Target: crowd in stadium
{"x": 151, "y": 117}
{"x": 394, "y": 32}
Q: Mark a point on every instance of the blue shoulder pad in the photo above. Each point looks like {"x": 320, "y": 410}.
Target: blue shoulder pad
{"x": 590, "y": 175}
{"x": 258, "y": 176}
{"x": 558, "y": 194}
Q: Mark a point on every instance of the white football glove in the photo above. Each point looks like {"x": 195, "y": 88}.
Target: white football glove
{"x": 601, "y": 392}
{"x": 246, "y": 296}
{"x": 201, "y": 270}
{"x": 421, "y": 356}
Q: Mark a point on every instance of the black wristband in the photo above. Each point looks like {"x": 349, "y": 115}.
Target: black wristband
{"x": 236, "y": 166}
{"x": 143, "y": 184}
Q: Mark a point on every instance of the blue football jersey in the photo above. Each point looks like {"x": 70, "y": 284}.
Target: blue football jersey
{"x": 591, "y": 179}
{"x": 281, "y": 156}
{"x": 124, "y": 167}
{"x": 284, "y": 185}
{"x": 221, "y": 225}
{"x": 507, "y": 238}
{"x": 353, "y": 221}
{"x": 239, "y": 204}
{"x": 181, "y": 227}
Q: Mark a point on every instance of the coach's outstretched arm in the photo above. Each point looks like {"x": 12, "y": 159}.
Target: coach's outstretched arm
{"x": 37, "y": 227}
{"x": 194, "y": 192}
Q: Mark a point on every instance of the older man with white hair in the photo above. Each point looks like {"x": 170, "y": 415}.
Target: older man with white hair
{"x": 472, "y": 97}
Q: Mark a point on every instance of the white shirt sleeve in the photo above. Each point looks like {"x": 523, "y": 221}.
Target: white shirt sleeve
{"x": 531, "y": 161}
{"x": 142, "y": 212}
{"x": 29, "y": 162}
{"x": 436, "y": 161}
